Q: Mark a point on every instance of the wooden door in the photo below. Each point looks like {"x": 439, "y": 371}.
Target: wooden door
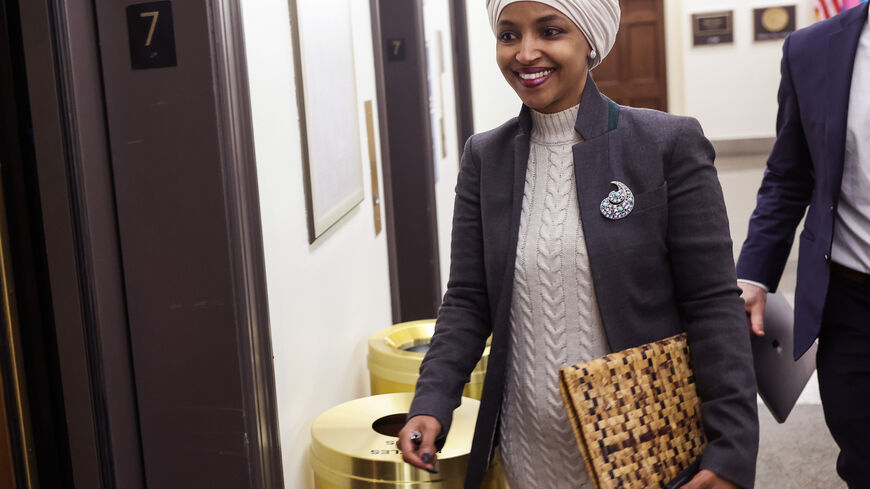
{"x": 634, "y": 72}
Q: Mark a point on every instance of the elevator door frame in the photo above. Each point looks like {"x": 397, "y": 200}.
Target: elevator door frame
{"x": 406, "y": 153}
{"x": 461, "y": 72}
{"x": 77, "y": 166}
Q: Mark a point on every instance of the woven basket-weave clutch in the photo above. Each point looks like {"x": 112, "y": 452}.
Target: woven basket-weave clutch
{"x": 636, "y": 414}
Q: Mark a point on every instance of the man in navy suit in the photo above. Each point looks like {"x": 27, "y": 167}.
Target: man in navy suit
{"x": 821, "y": 159}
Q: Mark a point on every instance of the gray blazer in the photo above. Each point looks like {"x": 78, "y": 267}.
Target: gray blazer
{"x": 664, "y": 269}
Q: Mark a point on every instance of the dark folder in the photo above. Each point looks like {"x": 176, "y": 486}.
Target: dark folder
{"x": 780, "y": 378}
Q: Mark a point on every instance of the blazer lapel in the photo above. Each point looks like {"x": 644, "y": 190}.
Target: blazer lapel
{"x": 842, "y": 46}
{"x": 592, "y": 155}
{"x": 593, "y": 172}
{"x": 520, "y": 164}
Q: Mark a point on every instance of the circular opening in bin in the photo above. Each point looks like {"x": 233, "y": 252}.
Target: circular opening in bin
{"x": 390, "y": 425}
{"x": 416, "y": 348}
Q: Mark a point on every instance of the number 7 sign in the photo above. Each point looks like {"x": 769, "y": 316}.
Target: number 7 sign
{"x": 152, "y": 35}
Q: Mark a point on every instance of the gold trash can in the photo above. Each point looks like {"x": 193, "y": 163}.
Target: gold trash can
{"x": 353, "y": 446}
{"x": 395, "y": 354}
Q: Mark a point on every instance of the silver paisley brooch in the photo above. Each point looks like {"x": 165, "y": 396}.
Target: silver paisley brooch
{"x": 618, "y": 203}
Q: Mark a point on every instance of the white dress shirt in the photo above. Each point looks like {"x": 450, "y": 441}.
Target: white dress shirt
{"x": 851, "y": 247}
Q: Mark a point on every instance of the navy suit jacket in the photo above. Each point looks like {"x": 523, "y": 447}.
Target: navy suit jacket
{"x": 805, "y": 167}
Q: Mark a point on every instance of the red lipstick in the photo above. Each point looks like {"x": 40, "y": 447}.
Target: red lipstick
{"x": 533, "y": 76}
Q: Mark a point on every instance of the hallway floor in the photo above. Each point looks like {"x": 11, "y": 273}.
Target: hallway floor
{"x": 798, "y": 454}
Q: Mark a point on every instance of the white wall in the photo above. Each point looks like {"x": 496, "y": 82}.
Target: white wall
{"x": 326, "y": 299}
{"x": 674, "y": 56}
{"x": 493, "y": 100}
{"x": 730, "y": 88}
{"x": 436, "y": 18}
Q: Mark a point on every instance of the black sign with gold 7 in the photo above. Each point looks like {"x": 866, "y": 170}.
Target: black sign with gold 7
{"x": 152, "y": 35}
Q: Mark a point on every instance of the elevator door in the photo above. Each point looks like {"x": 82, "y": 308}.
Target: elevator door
{"x": 634, "y": 73}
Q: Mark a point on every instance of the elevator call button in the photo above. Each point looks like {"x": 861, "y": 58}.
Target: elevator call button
{"x": 152, "y": 35}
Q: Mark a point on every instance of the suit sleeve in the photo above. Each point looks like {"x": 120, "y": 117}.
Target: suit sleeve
{"x": 784, "y": 194}
{"x": 701, "y": 256}
{"x": 463, "y": 322}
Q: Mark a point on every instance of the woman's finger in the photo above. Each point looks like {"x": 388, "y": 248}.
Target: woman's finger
{"x": 700, "y": 481}
{"x": 409, "y": 448}
{"x": 707, "y": 479}
{"x": 426, "y": 450}
{"x": 417, "y": 442}
{"x": 404, "y": 443}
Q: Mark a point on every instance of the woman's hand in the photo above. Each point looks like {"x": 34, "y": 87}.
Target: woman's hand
{"x": 417, "y": 441}
{"x": 708, "y": 480}
{"x": 755, "y": 298}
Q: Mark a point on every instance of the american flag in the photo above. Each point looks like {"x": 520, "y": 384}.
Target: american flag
{"x": 826, "y": 9}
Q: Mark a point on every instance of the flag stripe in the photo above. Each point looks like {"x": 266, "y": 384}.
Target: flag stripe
{"x": 825, "y": 12}
{"x": 826, "y": 9}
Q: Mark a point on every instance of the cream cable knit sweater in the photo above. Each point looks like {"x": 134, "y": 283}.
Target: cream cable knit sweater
{"x": 554, "y": 315}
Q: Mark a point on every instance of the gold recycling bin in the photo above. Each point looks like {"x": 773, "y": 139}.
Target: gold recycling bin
{"x": 353, "y": 446}
{"x": 395, "y": 354}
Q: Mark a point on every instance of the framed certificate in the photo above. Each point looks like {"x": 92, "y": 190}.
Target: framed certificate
{"x": 713, "y": 28}
{"x": 328, "y": 112}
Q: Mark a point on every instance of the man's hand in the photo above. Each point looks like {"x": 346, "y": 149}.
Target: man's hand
{"x": 755, "y": 298}
{"x": 708, "y": 480}
{"x": 417, "y": 441}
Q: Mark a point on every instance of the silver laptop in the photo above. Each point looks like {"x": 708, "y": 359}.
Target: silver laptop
{"x": 780, "y": 378}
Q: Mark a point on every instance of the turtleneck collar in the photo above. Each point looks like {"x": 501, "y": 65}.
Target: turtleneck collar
{"x": 557, "y": 127}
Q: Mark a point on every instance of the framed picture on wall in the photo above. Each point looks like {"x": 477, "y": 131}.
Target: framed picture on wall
{"x": 774, "y": 22}
{"x": 328, "y": 112}
{"x": 713, "y": 28}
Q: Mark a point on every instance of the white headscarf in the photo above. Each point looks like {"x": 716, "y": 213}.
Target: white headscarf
{"x": 598, "y": 20}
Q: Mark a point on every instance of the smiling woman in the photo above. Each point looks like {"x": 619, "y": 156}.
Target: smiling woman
{"x": 559, "y": 278}
{"x": 543, "y": 56}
